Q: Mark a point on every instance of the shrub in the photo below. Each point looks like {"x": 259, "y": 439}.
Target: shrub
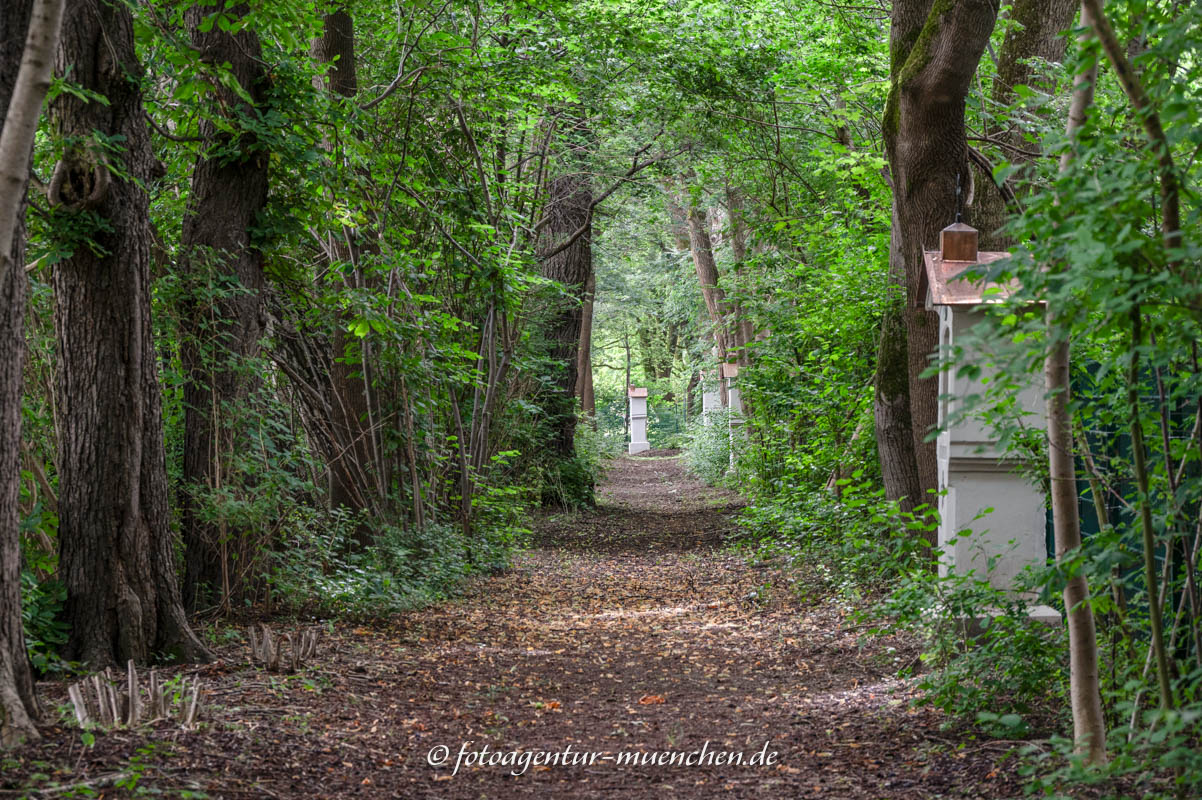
{"x": 708, "y": 452}
{"x": 317, "y": 570}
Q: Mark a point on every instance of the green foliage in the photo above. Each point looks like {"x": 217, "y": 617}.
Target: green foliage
{"x": 568, "y": 483}
{"x": 41, "y": 616}
{"x": 1159, "y": 759}
{"x": 317, "y": 570}
{"x": 707, "y": 453}
{"x": 986, "y": 660}
{"x": 400, "y": 244}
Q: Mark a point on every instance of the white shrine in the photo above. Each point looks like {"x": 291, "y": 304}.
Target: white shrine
{"x": 711, "y": 398}
{"x": 973, "y": 475}
{"x": 730, "y": 374}
{"x": 638, "y": 420}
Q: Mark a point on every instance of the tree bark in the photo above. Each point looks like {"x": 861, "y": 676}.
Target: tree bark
{"x": 891, "y": 395}
{"x": 1039, "y": 33}
{"x": 935, "y": 48}
{"x": 707, "y": 275}
{"x": 223, "y": 318}
{"x": 117, "y": 559}
{"x": 29, "y": 31}
{"x": 1089, "y": 725}
{"x": 679, "y": 221}
{"x": 569, "y": 200}
{"x": 741, "y": 328}
{"x": 584, "y": 361}
{"x": 351, "y": 463}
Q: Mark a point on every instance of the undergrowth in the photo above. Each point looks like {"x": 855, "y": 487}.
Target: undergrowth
{"x": 985, "y": 662}
{"x": 317, "y": 570}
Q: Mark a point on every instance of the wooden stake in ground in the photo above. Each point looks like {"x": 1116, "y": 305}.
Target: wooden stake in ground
{"x": 99, "y": 701}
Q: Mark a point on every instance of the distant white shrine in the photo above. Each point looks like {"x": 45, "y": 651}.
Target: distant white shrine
{"x": 638, "y": 420}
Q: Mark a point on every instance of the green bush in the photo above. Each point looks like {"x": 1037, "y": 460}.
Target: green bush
{"x": 985, "y": 659}
{"x": 316, "y": 569}
{"x": 41, "y": 616}
{"x": 568, "y": 483}
{"x": 854, "y": 544}
{"x": 707, "y": 454}
{"x": 858, "y": 545}
{"x": 1159, "y": 759}
{"x": 42, "y": 595}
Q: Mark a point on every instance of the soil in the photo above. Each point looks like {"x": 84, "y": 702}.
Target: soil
{"x": 629, "y": 632}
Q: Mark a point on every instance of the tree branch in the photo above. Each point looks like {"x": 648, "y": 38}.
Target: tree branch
{"x": 1170, "y": 224}
{"x": 635, "y": 168}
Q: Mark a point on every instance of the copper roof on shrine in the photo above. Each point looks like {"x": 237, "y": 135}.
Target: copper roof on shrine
{"x": 946, "y": 288}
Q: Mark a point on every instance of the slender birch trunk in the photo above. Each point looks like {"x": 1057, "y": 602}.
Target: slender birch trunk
{"x": 1089, "y": 726}
{"x": 20, "y": 107}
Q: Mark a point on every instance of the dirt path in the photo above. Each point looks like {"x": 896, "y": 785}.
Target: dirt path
{"x": 628, "y": 634}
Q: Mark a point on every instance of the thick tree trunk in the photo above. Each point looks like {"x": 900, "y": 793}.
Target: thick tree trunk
{"x": 935, "y": 49}
{"x": 224, "y": 315}
{"x": 569, "y": 199}
{"x": 707, "y": 275}
{"x": 891, "y": 398}
{"x": 1039, "y": 34}
{"x": 117, "y": 558}
{"x": 28, "y": 37}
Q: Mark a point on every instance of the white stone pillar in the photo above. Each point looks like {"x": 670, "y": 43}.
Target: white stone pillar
{"x": 638, "y": 420}
{"x": 711, "y": 399}
{"x": 730, "y": 373}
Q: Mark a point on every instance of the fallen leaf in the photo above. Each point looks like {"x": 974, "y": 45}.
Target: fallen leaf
{"x": 651, "y": 700}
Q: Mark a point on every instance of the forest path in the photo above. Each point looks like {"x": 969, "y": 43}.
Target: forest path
{"x": 629, "y": 629}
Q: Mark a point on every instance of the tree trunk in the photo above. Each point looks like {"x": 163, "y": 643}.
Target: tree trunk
{"x": 678, "y": 220}
{"x": 29, "y": 33}
{"x": 223, "y": 327}
{"x": 690, "y": 395}
{"x": 891, "y": 396}
{"x": 117, "y": 557}
{"x": 1037, "y": 34}
{"x": 935, "y": 49}
{"x": 568, "y": 201}
{"x": 707, "y": 274}
{"x": 647, "y": 351}
{"x": 741, "y": 328}
{"x": 584, "y": 361}
{"x": 1089, "y": 725}
{"x": 351, "y": 464}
